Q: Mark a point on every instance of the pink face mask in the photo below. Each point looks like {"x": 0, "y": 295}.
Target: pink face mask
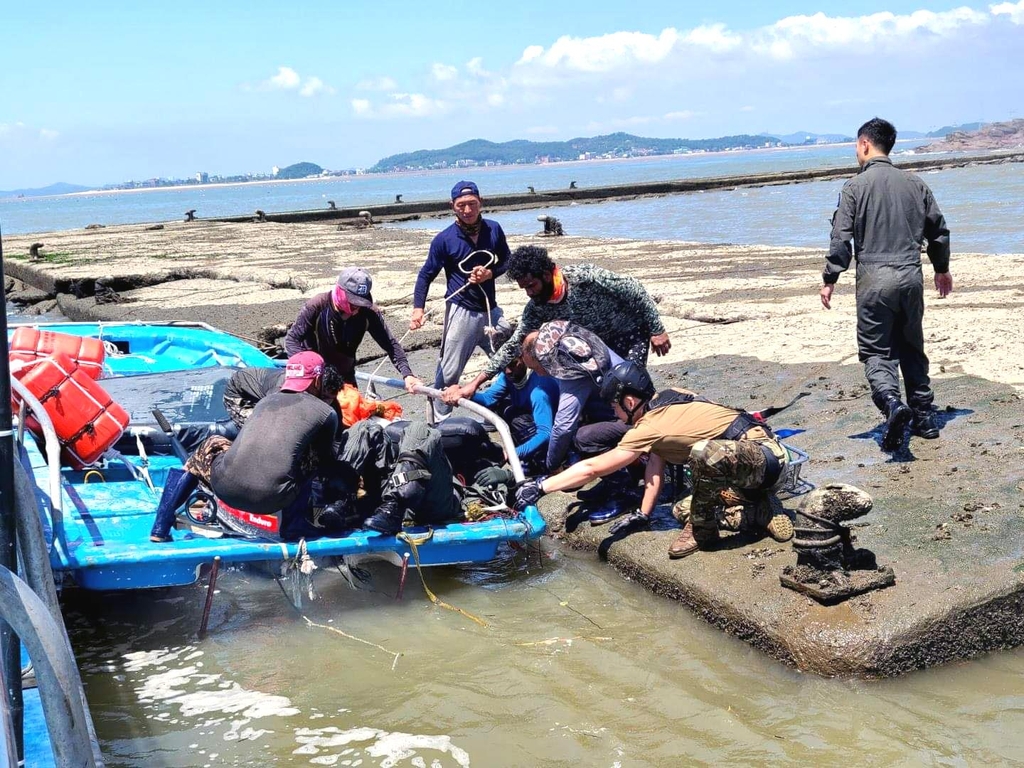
{"x": 340, "y": 299}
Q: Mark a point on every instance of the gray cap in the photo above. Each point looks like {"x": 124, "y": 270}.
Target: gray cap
{"x": 357, "y": 283}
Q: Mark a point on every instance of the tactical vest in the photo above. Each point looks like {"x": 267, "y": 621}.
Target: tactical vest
{"x": 735, "y": 431}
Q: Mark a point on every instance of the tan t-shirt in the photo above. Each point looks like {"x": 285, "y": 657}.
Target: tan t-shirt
{"x": 671, "y": 432}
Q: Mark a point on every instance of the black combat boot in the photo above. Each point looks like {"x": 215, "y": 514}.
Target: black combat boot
{"x": 402, "y": 494}
{"x": 897, "y": 416}
{"x": 388, "y": 517}
{"x": 924, "y": 425}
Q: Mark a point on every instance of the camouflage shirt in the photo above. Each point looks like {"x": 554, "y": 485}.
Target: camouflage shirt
{"x": 615, "y": 307}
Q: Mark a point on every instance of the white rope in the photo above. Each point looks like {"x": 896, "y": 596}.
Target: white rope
{"x": 489, "y": 329}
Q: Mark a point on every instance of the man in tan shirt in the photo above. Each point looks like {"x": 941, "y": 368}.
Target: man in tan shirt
{"x": 725, "y": 448}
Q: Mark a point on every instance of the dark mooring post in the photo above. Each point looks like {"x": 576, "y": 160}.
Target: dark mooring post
{"x": 10, "y": 647}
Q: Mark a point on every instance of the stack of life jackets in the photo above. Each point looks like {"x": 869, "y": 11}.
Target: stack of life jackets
{"x": 61, "y": 370}
{"x": 354, "y": 407}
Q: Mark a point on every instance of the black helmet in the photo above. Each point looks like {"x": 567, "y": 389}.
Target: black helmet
{"x": 626, "y": 378}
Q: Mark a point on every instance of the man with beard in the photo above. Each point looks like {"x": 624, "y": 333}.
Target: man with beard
{"x": 472, "y": 252}
{"x": 614, "y": 307}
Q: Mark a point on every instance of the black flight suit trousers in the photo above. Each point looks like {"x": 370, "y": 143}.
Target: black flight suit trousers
{"x": 890, "y": 308}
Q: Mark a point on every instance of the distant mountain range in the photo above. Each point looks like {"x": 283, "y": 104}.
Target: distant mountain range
{"x": 480, "y": 152}
{"x": 521, "y": 152}
{"x": 60, "y": 188}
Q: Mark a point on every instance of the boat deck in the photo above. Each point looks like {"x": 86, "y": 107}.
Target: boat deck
{"x": 102, "y": 537}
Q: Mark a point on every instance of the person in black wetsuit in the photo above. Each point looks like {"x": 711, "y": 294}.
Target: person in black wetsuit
{"x": 334, "y": 323}
{"x": 246, "y": 387}
{"x": 270, "y": 466}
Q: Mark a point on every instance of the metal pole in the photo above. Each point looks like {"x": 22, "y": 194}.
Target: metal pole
{"x": 10, "y": 648}
{"x": 401, "y": 577}
{"x": 209, "y": 596}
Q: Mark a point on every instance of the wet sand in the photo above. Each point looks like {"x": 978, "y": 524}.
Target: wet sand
{"x": 747, "y": 329}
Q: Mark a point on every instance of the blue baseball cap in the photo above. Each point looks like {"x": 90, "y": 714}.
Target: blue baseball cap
{"x": 465, "y": 188}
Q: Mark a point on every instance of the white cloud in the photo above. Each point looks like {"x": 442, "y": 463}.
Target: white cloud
{"x": 788, "y": 38}
{"x": 383, "y": 83}
{"x": 1015, "y": 11}
{"x": 794, "y": 35}
{"x": 604, "y": 53}
{"x": 400, "y": 105}
{"x": 475, "y": 67}
{"x": 314, "y": 85}
{"x": 746, "y": 108}
{"x": 495, "y": 99}
{"x": 684, "y": 114}
{"x": 715, "y": 38}
{"x": 48, "y": 134}
{"x": 444, "y": 72}
{"x": 286, "y": 79}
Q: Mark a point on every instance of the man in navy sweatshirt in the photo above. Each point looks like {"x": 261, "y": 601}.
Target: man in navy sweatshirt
{"x": 472, "y": 252}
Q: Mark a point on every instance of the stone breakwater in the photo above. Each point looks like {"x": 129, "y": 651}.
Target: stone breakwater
{"x": 747, "y": 329}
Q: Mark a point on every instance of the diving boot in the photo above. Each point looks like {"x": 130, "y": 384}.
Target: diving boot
{"x": 177, "y": 489}
{"x": 897, "y": 416}
{"x": 924, "y": 425}
{"x": 388, "y": 518}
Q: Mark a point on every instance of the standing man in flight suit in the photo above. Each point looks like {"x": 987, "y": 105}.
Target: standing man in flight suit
{"x": 884, "y": 217}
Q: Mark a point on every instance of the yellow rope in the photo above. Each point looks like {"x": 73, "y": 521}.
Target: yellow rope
{"x": 414, "y": 542}
{"x": 92, "y": 472}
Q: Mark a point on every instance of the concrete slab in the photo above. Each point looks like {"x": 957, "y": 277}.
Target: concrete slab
{"x": 957, "y": 594}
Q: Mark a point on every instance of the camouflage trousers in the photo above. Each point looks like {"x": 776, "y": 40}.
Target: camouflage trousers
{"x": 240, "y": 409}
{"x": 725, "y": 472}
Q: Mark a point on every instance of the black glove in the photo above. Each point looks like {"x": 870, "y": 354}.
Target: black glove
{"x": 529, "y": 492}
{"x": 634, "y": 521}
{"x": 491, "y": 476}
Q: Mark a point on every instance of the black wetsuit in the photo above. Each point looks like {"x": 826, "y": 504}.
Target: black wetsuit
{"x": 246, "y": 387}
{"x": 276, "y": 452}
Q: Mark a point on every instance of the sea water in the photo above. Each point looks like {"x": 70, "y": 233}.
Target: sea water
{"x": 576, "y": 666}
{"x": 984, "y": 205}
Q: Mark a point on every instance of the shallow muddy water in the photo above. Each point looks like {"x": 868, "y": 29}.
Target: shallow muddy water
{"x": 576, "y": 666}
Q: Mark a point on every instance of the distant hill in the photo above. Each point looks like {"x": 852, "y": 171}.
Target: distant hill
{"x": 1005, "y": 135}
{"x": 299, "y": 171}
{"x": 944, "y": 131}
{"x": 521, "y": 152}
{"x": 60, "y": 188}
{"x": 806, "y": 137}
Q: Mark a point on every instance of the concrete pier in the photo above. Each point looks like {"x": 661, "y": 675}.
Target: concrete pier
{"x": 747, "y": 329}
{"x": 542, "y": 198}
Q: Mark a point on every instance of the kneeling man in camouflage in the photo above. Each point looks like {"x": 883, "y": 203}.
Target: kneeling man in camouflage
{"x": 728, "y": 450}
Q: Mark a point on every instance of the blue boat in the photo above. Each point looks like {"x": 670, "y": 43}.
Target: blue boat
{"x": 97, "y": 520}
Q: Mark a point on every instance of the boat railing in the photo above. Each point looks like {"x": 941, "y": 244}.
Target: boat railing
{"x": 60, "y": 685}
{"x": 52, "y": 455}
{"x": 490, "y": 416}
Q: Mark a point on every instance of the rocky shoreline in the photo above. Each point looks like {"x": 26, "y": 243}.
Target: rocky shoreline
{"x": 747, "y": 329}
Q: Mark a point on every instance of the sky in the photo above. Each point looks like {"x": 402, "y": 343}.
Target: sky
{"x": 98, "y": 93}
